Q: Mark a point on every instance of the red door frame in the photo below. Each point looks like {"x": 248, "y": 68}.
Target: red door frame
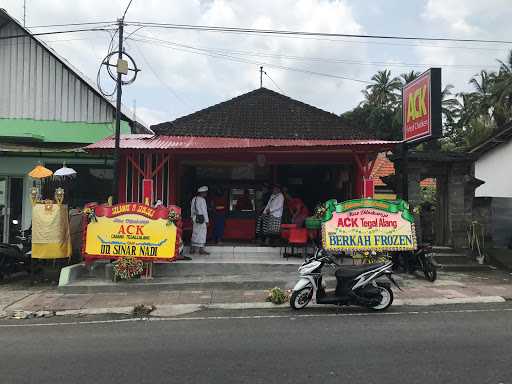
{"x": 362, "y": 185}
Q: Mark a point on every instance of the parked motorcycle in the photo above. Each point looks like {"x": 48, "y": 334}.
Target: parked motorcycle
{"x": 16, "y": 257}
{"x": 355, "y": 285}
{"x": 418, "y": 260}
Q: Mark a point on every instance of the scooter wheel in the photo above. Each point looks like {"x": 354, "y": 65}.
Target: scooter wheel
{"x": 386, "y": 300}
{"x": 299, "y": 299}
{"x": 430, "y": 271}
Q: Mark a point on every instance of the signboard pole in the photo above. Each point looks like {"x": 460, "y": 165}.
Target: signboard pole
{"x": 405, "y": 171}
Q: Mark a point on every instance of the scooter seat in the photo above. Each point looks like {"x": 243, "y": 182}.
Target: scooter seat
{"x": 351, "y": 271}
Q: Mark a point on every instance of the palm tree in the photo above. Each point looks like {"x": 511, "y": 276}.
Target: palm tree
{"x": 504, "y": 79}
{"x": 449, "y": 104}
{"x": 409, "y": 76}
{"x": 502, "y": 92}
{"x": 483, "y": 84}
{"x": 384, "y": 92}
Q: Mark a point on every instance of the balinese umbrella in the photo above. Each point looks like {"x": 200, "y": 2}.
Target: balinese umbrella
{"x": 64, "y": 172}
{"x": 40, "y": 172}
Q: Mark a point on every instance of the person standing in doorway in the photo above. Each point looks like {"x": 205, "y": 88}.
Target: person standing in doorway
{"x": 199, "y": 213}
{"x": 219, "y": 205}
{"x": 269, "y": 223}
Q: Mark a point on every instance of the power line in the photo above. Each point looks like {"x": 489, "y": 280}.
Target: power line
{"x": 107, "y": 23}
{"x": 209, "y": 28}
{"x": 53, "y": 33}
{"x": 272, "y": 80}
{"x": 168, "y": 87}
{"x": 190, "y": 49}
{"x": 327, "y": 60}
{"x": 126, "y": 10}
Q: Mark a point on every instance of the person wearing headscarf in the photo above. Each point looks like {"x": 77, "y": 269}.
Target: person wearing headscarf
{"x": 199, "y": 214}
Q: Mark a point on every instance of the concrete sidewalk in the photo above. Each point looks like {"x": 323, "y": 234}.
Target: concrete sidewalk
{"x": 492, "y": 286}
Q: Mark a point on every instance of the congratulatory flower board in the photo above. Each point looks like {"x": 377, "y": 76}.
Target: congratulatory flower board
{"x": 132, "y": 229}
{"x": 367, "y": 224}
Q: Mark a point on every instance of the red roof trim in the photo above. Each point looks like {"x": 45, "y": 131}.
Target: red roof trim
{"x": 157, "y": 142}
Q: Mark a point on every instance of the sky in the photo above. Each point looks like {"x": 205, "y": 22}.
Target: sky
{"x": 176, "y": 80}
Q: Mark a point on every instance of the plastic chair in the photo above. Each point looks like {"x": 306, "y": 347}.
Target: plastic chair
{"x": 298, "y": 239}
{"x": 285, "y": 230}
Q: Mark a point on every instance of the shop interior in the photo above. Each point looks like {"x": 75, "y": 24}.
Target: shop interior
{"x": 244, "y": 189}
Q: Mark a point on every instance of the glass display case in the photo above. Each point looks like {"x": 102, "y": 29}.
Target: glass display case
{"x": 242, "y": 200}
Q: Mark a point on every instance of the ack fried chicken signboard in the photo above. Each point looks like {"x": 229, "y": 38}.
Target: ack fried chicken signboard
{"x": 421, "y": 105}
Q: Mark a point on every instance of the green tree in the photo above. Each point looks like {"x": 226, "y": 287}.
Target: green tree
{"x": 385, "y": 90}
{"x": 409, "y": 76}
{"x": 502, "y": 92}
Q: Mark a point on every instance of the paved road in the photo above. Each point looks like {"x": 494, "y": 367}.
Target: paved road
{"x": 455, "y": 344}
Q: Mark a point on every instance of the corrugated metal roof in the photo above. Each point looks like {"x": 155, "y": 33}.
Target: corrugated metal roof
{"x": 39, "y": 83}
{"x": 157, "y": 142}
{"x": 16, "y": 149}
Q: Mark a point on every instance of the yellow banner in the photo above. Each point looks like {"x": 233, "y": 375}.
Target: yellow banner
{"x": 50, "y": 232}
{"x": 131, "y": 235}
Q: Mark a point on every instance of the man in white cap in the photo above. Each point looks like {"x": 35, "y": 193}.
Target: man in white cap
{"x": 199, "y": 213}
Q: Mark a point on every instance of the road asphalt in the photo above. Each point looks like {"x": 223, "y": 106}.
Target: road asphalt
{"x": 442, "y": 344}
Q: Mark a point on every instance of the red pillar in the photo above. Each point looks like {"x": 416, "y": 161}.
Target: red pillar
{"x": 173, "y": 180}
{"x": 147, "y": 182}
{"x": 123, "y": 164}
{"x": 364, "y": 187}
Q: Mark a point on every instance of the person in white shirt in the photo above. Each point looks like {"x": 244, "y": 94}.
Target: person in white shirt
{"x": 269, "y": 223}
{"x": 199, "y": 214}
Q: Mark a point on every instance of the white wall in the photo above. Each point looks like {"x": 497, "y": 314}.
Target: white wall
{"x": 494, "y": 167}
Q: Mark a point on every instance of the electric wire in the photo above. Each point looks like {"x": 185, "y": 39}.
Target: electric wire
{"x": 327, "y": 60}
{"x": 272, "y": 80}
{"x": 155, "y": 73}
{"x": 126, "y": 10}
{"x": 54, "y": 33}
{"x": 106, "y": 23}
{"x": 190, "y": 49}
{"x": 209, "y": 28}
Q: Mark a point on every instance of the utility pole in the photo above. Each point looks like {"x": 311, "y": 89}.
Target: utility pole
{"x": 119, "y": 93}
{"x": 24, "y": 12}
{"x": 261, "y": 77}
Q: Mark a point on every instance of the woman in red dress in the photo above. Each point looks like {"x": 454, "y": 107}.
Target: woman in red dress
{"x": 298, "y": 210}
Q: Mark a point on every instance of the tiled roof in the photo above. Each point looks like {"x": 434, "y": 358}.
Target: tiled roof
{"x": 262, "y": 113}
{"x": 385, "y": 167}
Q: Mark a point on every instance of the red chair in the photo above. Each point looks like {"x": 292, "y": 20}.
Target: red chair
{"x": 298, "y": 239}
{"x": 285, "y": 230}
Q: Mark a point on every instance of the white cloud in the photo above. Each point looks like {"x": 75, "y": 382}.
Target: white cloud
{"x": 186, "y": 81}
{"x": 203, "y": 80}
{"x": 465, "y": 16}
{"x": 152, "y": 116}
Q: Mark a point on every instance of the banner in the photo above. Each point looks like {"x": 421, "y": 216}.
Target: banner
{"x": 366, "y": 225}
{"x": 50, "y": 231}
{"x": 132, "y": 229}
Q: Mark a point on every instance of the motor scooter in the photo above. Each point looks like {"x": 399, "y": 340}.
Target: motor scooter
{"x": 355, "y": 285}
{"x": 16, "y": 257}
{"x": 417, "y": 260}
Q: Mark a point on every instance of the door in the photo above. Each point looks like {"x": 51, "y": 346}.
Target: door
{"x": 11, "y": 207}
{"x": 3, "y": 209}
